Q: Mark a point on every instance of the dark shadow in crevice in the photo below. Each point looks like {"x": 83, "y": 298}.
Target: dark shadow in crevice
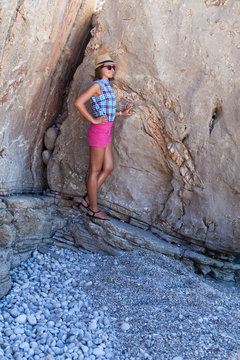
{"x": 214, "y": 118}
{"x": 63, "y": 92}
{"x": 71, "y": 71}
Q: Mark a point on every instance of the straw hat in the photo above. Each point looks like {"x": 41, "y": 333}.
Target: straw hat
{"x": 103, "y": 59}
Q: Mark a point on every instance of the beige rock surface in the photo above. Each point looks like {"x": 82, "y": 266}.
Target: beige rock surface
{"x": 177, "y": 157}
{"x": 41, "y": 43}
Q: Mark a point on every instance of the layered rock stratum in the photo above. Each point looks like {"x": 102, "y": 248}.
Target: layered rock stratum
{"x": 35, "y": 222}
{"x": 177, "y": 157}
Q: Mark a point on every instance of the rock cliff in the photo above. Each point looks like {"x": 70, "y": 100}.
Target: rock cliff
{"x": 177, "y": 157}
{"x": 41, "y": 45}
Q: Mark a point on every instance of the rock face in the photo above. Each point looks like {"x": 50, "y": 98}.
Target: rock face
{"x": 41, "y": 44}
{"x": 177, "y": 157}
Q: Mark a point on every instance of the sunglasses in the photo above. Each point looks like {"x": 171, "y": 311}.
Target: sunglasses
{"x": 109, "y": 67}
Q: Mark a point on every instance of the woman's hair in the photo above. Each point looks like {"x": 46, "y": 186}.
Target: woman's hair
{"x": 98, "y": 74}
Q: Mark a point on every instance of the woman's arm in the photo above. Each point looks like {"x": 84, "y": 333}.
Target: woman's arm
{"x": 94, "y": 90}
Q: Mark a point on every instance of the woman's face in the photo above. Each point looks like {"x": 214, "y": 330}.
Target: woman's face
{"x": 108, "y": 71}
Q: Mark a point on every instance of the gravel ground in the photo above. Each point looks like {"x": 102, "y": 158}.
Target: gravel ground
{"x": 140, "y": 305}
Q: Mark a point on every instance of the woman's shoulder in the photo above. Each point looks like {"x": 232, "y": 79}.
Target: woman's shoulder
{"x": 98, "y": 81}
{"x": 96, "y": 87}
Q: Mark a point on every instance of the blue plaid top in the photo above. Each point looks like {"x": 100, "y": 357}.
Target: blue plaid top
{"x": 104, "y": 104}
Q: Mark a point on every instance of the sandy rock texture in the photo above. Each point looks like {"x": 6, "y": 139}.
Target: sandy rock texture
{"x": 177, "y": 157}
{"x": 41, "y": 45}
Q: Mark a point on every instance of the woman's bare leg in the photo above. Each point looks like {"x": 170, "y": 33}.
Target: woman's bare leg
{"x": 107, "y": 167}
{"x": 96, "y": 164}
{"x": 97, "y": 155}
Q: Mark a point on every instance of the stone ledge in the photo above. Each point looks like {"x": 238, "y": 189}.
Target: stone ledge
{"x": 117, "y": 238}
{"x": 58, "y": 221}
{"x": 126, "y": 237}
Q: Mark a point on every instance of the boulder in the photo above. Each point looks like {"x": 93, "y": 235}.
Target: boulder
{"x": 177, "y": 157}
{"x": 5, "y": 280}
{"x": 41, "y": 45}
{"x": 7, "y": 235}
{"x": 50, "y": 137}
{"x": 46, "y": 154}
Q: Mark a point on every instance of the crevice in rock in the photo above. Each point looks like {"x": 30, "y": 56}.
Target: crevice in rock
{"x": 63, "y": 111}
{"x": 140, "y": 170}
{"x": 214, "y": 118}
{"x": 171, "y": 191}
{"x": 79, "y": 58}
{"x": 62, "y": 114}
{"x": 185, "y": 138}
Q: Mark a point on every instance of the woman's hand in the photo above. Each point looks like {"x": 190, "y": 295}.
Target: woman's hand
{"x": 128, "y": 108}
{"x": 100, "y": 120}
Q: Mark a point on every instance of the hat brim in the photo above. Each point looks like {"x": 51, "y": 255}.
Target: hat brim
{"x": 104, "y": 63}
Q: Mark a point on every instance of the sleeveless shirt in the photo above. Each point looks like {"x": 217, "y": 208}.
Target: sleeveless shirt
{"x": 104, "y": 104}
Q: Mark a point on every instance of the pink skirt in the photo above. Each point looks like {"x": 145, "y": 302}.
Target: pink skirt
{"x": 100, "y": 135}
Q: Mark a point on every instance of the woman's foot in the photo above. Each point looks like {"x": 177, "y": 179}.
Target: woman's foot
{"x": 98, "y": 214}
{"x": 85, "y": 202}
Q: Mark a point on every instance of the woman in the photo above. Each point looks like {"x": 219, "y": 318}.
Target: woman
{"x": 103, "y": 103}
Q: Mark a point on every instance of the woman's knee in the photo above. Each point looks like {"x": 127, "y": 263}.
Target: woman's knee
{"x": 108, "y": 169}
{"x": 94, "y": 172}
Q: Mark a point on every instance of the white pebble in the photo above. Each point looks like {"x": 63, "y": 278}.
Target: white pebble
{"x": 30, "y": 352}
{"x": 51, "y": 323}
{"x": 32, "y": 320}
{"x": 24, "y": 346}
{"x": 106, "y": 321}
{"x": 125, "y": 326}
{"x": 84, "y": 348}
{"x": 99, "y": 351}
{"x": 109, "y": 355}
{"x": 18, "y": 330}
{"x": 178, "y": 358}
{"x": 93, "y": 325}
{"x": 21, "y": 318}
{"x": 34, "y": 344}
{"x": 26, "y": 285}
{"x": 14, "y": 312}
